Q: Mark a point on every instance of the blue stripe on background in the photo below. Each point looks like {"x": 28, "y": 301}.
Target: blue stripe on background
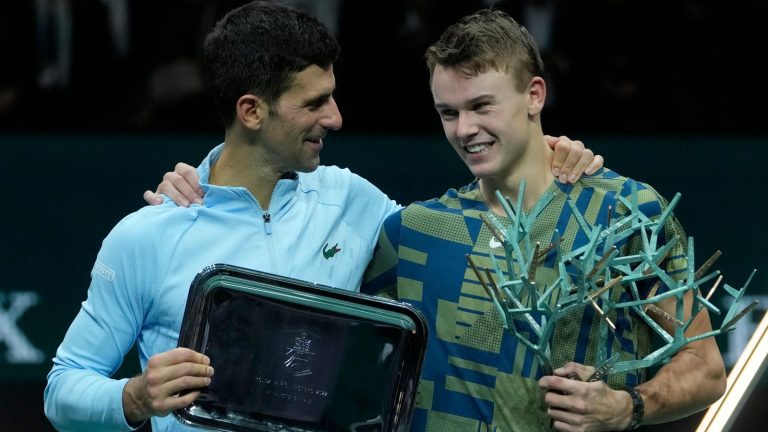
{"x": 461, "y": 404}
{"x": 583, "y": 339}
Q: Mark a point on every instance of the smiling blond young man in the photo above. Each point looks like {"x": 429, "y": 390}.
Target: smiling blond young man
{"x": 486, "y": 78}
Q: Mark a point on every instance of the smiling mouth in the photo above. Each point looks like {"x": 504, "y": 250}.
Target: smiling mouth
{"x": 315, "y": 143}
{"x": 477, "y": 148}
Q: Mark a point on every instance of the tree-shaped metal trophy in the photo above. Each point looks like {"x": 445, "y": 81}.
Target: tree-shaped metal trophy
{"x": 517, "y": 296}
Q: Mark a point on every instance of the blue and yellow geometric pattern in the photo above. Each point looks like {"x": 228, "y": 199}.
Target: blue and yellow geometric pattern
{"x": 476, "y": 376}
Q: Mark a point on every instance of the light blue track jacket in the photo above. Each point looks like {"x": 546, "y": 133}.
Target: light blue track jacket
{"x": 143, "y": 272}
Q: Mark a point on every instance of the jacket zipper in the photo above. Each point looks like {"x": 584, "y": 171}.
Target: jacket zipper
{"x": 267, "y": 222}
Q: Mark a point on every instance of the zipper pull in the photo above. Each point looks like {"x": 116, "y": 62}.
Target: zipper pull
{"x": 267, "y": 224}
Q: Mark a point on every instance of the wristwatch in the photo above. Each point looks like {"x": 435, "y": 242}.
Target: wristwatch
{"x": 638, "y": 408}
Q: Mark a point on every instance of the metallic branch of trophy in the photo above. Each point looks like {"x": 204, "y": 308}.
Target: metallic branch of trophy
{"x": 595, "y": 275}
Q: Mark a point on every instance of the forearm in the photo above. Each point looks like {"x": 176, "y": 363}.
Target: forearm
{"x": 77, "y": 400}
{"x": 694, "y": 379}
{"x": 80, "y": 393}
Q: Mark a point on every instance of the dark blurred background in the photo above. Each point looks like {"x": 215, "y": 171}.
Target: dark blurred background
{"x": 615, "y": 66}
{"x": 98, "y": 98}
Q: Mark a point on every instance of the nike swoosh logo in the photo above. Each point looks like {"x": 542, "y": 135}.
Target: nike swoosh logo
{"x": 494, "y": 244}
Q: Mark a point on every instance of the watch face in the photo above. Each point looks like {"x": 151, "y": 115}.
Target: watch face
{"x": 294, "y": 356}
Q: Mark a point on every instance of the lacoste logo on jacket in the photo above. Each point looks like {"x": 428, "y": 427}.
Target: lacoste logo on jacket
{"x": 329, "y": 253}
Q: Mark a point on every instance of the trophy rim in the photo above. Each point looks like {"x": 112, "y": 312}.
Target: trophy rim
{"x": 327, "y": 302}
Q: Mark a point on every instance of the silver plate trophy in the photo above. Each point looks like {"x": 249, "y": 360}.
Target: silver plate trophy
{"x": 289, "y": 355}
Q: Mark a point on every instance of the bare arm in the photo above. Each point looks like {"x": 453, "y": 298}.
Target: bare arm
{"x": 693, "y": 379}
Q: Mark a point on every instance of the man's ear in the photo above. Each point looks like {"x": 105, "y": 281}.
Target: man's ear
{"x": 537, "y": 94}
{"x": 251, "y": 111}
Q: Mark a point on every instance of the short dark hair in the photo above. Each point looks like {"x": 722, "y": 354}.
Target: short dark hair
{"x": 258, "y": 48}
{"x": 487, "y": 39}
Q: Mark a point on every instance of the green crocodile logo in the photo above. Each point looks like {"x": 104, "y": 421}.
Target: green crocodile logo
{"x": 329, "y": 253}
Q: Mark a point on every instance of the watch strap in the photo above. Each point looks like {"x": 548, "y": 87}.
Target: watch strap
{"x": 638, "y": 408}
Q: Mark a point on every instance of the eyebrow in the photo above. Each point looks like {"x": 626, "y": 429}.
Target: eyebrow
{"x": 477, "y": 99}
{"x": 320, "y": 98}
